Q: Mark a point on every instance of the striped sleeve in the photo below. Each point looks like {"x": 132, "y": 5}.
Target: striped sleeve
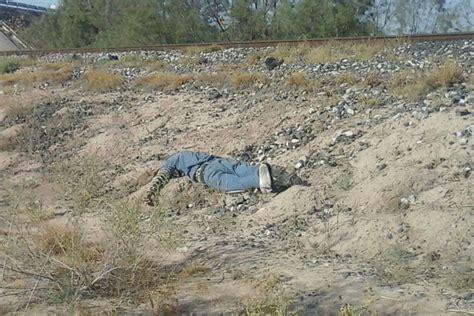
{"x": 159, "y": 181}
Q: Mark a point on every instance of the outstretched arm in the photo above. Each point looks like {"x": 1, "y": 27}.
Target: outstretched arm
{"x": 162, "y": 177}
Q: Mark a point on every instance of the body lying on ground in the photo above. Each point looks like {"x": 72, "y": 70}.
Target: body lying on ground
{"x": 222, "y": 174}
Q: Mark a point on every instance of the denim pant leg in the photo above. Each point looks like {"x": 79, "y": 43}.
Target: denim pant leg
{"x": 230, "y": 175}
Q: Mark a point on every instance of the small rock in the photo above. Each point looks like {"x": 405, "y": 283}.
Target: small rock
{"x": 213, "y": 94}
{"x": 463, "y": 141}
{"x": 466, "y": 172}
{"x": 404, "y": 203}
{"x": 462, "y": 112}
{"x": 182, "y": 249}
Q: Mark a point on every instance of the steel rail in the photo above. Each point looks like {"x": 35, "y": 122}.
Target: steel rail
{"x": 252, "y": 44}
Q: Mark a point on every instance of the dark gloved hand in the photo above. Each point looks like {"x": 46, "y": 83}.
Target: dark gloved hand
{"x": 149, "y": 200}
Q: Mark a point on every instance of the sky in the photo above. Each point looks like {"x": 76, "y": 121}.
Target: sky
{"x": 43, "y": 3}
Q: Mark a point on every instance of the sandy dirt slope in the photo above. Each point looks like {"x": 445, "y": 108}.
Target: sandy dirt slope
{"x": 386, "y": 225}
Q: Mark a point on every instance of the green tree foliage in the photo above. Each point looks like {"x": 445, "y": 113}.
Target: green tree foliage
{"x": 248, "y": 22}
{"x": 102, "y": 23}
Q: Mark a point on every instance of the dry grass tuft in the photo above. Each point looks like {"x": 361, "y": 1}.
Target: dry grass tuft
{"x": 137, "y": 61}
{"x": 330, "y": 52}
{"x": 21, "y": 78}
{"x": 165, "y": 81}
{"x": 400, "y": 83}
{"x": 337, "y": 51}
{"x": 298, "y": 80}
{"x": 193, "y": 270}
{"x": 70, "y": 269}
{"x": 16, "y": 112}
{"x": 214, "y": 79}
{"x": 254, "y": 58}
{"x": 291, "y": 53}
{"x": 248, "y": 79}
{"x": 413, "y": 85}
{"x": 370, "y": 102}
{"x": 372, "y": 79}
{"x": 101, "y": 80}
{"x": 349, "y": 310}
{"x": 449, "y": 73}
{"x": 272, "y": 305}
{"x": 272, "y": 300}
{"x": 82, "y": 181}
{"x": 347, "y": 78}
{"x": 58, "y": 240}
{"x": 51, "y": 73}
{"x": 322, "y": 54}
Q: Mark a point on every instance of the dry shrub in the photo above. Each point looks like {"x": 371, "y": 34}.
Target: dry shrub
{"x": 322, "y": 54}
{"x": 402, "y": 84}
{"x": 69, "y": 269}
{"x": 254, "y": 58}
{"x": 137, "y": 61}
{"x": 336, "y": 51}
{"x": 414, "y": 85}
{"x": 54, "y": 66}
{"x": 57, "y": 239}
{"x": 101, "y": 80}
{"x": 372, "y": 79}
{"x": 291, "y": 53}
{"x": 51, "y": 73}
{"x": 347, "y": 78}
{"x": 214, "y": 79}
{"x": 449, "y": 73}
{"x": 202, "y": 49}
{"x": 22, "y": 78}
{"x": 17, "y": 111}
{"x": 298, "y": 80}
{"x": 81, "y": 181}
{"x": 349, "y": 310}
{"x": 275, "y": 304}
{"x": 164, "y": 300}
{"x": 247, "y": 79}
{"x": 67, "y": 244}
{"x": 370, "y": 102}
{"x": 165, "y": 81}
{"x": 193, "y": 270}
{"x": 271, "y": 300}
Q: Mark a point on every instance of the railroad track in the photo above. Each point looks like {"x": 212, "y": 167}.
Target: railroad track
{"x": 254, "y": 44}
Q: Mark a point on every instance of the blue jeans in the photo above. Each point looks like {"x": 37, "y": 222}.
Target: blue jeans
{"x": 230, "y": 175}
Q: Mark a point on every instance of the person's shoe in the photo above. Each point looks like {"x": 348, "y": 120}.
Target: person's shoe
{"x": 264, "y": 178}
{"x": 282, "y": 180}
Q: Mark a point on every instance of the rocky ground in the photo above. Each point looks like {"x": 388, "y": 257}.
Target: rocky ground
{"x": 385, "y": 142}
